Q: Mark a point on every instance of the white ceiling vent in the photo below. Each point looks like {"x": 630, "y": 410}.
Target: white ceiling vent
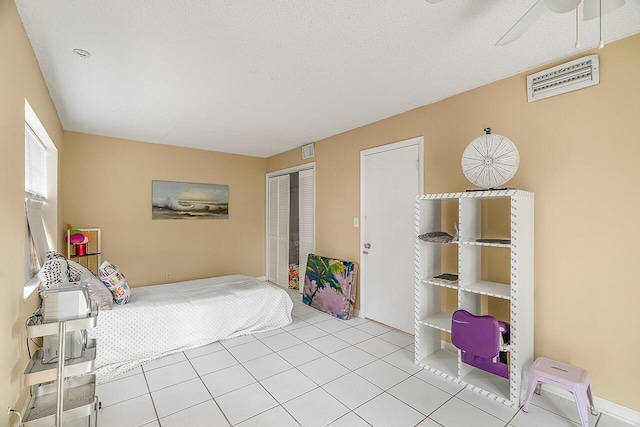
{"x": 308, "y": 151}
{"x": 567, "y": 77}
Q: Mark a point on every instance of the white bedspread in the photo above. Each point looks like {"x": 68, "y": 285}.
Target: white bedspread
{"x": 164, "y": 319}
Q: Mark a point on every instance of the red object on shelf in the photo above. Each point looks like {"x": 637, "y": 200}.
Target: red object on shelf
{"x": 81, "y": 249}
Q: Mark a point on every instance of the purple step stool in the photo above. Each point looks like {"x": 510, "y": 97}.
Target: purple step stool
{"x": 568, "y": 377}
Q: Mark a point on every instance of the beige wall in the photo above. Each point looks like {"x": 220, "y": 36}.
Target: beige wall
{"x": 579, "y": 153}
{"x": 20, "y": 78}
{"x": 107, "y": 184}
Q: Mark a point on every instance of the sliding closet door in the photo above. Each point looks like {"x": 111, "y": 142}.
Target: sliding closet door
{"x": 278, "y": 223}
{"x": 283, "y": 231}
{"x": 307, "y": 210}
{"x": 272, "y": 234}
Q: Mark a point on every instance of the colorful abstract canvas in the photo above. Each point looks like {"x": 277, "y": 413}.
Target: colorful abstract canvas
{"x": 330, "y": 285}
{"x": 294, "y": 276}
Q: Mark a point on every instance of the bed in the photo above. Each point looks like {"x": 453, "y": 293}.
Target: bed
{"x": 164, "y": 319}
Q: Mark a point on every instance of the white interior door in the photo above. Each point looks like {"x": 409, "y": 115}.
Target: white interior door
{"x": 391, "y": 178}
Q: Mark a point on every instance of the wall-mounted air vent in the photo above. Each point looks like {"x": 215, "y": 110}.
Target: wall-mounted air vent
{"x": 567, "y": 77}
{"x": 308, "y": 151}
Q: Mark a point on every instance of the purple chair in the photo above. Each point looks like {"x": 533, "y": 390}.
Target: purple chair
{"x": 481, "y": 340}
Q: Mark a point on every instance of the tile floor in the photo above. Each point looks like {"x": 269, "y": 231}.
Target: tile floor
{"x": 317, "y": 371}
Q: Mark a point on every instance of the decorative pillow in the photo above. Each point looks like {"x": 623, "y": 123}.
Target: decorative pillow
{"x": 54, "y": 270}
{"x": 53, "y": 255}
{"x": 115, "y": 281}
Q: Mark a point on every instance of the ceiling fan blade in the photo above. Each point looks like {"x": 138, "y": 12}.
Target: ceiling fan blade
{"x": 591, "y": 8}
{"x": 523, "y": 24}
{"x": 562, "y": 6}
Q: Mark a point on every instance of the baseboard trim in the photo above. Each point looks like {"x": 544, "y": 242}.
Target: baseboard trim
{"x": 262, "y": 278}
{"x": 612, "y": 409}
{"x": 356, "y": 312}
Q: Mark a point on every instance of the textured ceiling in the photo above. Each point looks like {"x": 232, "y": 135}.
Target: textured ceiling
{"x": 262, "y": 77}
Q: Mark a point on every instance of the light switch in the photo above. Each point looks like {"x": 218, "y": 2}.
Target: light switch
{"x": 356, "y": 222}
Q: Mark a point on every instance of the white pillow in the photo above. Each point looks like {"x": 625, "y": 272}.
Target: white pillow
{"x": 98, "y": 292}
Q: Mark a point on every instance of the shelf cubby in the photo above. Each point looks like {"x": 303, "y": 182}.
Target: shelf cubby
{"x": 493, "y": 385}
{"x": 442, "y": 361}
{"x": 434, "y": 353}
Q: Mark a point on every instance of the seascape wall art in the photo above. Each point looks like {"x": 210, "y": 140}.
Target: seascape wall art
{"x": 186, "y": 200}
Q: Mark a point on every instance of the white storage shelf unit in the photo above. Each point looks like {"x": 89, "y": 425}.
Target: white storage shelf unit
{"x": 46, "y": 408}
{"x": 432, "y": 319}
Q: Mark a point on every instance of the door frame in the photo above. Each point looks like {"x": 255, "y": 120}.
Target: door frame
{"x": 419, "y": 141}
{"x": 287, "y": 171}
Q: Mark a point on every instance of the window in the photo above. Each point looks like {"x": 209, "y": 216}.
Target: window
{"x": 35, "y": 178}
{"x": 41, "y": 195}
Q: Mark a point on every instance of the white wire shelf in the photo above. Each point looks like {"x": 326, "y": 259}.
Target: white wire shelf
{"x": 44, "y": 329}
{"x": 488, "y": 244}
{"x": 439, "y": 282}
{"x": 79, "y": 402}
{"x": 38, "y": 372}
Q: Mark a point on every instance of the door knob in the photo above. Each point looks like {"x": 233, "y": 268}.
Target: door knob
{"x": 367, "y": 245}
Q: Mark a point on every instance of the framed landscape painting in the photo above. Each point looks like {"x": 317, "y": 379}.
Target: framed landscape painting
{"x": 186, "y": 200}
